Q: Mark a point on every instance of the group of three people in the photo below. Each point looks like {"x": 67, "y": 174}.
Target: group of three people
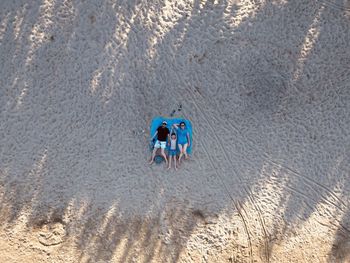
{"x": 180, "y": 139}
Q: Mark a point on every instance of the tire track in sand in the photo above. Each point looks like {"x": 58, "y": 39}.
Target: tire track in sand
{"x": 268, "y": 158}
{"x": 334, "y": 5}
{"x": 308, "y": 181}
{"x": 228, "y": 193}
{"x": 229, "y": 161}
{"x": 212, "y": 164}
{"x": 237, "y": 207}
{"x": 311, "y": 183}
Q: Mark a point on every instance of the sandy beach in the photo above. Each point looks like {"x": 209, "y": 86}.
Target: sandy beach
{"x": 266, "y": 86}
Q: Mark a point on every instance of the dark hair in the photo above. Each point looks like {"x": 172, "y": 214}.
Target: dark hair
{"x": 182, "y": 123}
{"x": 173, "y": 134}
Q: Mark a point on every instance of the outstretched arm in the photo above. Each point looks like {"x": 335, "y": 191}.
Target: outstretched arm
{"x": 176, "y": 125}
{"x": 154, "y": 135}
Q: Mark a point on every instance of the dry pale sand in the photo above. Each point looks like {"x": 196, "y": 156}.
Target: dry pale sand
{"x": 266, "y": 85}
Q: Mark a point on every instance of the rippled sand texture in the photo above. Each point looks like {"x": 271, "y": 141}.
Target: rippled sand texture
{"x": 266, "y": 85}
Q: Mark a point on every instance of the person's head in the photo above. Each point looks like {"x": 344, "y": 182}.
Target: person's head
{"x": 182, "y": 125}
{"x": 173, "y": 136}
{"x": 164, "y": 124}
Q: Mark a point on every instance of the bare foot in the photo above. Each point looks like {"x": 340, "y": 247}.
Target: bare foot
{"x": 175, "y": 168}
{"x": 150, "y": 162}
{"x": 168, "y": 168}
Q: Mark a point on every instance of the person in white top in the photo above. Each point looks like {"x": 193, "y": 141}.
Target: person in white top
{"x": 172, "y": 149}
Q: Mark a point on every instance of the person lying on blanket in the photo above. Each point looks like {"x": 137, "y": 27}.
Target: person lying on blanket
{"x": 183, "y": 139}
{"x": 162, "y": 134}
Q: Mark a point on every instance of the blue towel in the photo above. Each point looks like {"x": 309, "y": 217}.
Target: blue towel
{"x": 157, "y": 121}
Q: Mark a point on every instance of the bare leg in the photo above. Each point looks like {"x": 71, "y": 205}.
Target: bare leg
{"x": 153, "y": 155}
{"x": 181, "y": 153}
{"x": 164, "y": 156}
{"x": 185, "y": 151}
{"x": 175, "y": 162}
{"x": 169, "y": 166}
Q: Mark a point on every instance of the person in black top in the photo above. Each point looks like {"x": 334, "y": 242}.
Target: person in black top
{"x": 162, "y": 134}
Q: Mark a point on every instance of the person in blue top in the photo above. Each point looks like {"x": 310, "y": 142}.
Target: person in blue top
{"x": 183, "y": 139}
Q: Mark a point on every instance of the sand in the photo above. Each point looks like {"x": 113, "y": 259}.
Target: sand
{"x": 266, "y": 85}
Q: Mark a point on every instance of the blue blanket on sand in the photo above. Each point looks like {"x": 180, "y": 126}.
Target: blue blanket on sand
{"x": 157, "y": 121}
